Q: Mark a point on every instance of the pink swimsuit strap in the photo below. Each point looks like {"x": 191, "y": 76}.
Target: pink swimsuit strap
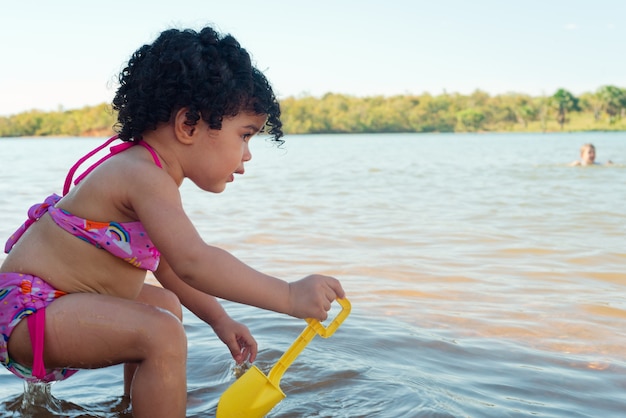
{"x": 36, "y": 328}
{"x": 112, "y": 151}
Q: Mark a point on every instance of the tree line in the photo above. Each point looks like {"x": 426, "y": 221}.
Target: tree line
{"x": 604, "y": 109}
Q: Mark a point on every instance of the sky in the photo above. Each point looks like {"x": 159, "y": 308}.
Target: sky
{"x": 66, "y": 54}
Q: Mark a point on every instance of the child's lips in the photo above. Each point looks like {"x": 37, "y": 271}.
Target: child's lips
{"x": 232, "y": 176}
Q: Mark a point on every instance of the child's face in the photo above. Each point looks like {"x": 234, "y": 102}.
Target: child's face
{"x": 588, "y": 155}
{"x": 224, "y": 151}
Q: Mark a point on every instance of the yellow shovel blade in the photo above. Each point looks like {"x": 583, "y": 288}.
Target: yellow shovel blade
{"x": 254, "y": 394}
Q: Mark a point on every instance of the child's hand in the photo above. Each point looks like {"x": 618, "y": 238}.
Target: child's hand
{"x": 312, "y": 296}
{"x": 237, "y": 338}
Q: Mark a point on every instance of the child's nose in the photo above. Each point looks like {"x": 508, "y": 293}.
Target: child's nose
{"x": 247, "y": 155}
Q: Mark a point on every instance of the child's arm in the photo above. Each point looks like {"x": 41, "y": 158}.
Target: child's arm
{"x": 227, "y": 277}
{"x": 235, "y": 335}
{"x": 156, "y": 200}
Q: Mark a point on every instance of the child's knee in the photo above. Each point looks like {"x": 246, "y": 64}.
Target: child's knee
{"x": 162, "y": 298}
{"x": 169, "y": 335}
{"x": 170, "y": 302}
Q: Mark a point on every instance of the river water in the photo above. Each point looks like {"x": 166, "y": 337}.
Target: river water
{"x": 487, "y": 277}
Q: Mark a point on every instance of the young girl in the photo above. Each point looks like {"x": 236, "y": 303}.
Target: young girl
{"x": 188, "y": 105}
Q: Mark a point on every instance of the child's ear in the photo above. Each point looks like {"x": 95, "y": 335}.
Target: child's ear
{"x": 184, "y": 132}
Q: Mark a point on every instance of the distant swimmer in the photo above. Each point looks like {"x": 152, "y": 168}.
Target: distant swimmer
{"x": 588, "y": 156}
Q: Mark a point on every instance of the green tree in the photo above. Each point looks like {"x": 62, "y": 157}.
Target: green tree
{"x": 564, "y": 102}
{"x": 522, "y": 108}
{"x": 438, "y": 113}
{"x": 592, "y": 103}
{"x": 471, "y": 119}
{"x": 613, "y": 101}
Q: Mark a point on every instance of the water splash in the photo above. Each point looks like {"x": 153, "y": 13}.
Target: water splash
{"x": 39, "y": 395}
{"x": 37, "y": 401}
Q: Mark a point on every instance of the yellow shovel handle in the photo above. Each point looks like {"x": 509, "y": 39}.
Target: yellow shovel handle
{"x": 313, "y": 327}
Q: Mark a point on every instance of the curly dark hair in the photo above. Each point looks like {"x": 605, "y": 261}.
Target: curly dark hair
{"x": 208, "y": 73}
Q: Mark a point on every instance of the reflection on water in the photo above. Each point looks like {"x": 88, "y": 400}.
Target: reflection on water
{"x": 486, "y": 277}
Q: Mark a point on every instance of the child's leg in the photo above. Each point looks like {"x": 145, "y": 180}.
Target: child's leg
{"x": 86, "y": 330}
{"x": 161, "y": 298}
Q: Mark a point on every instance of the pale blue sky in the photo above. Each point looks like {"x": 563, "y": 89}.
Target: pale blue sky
{"x": 68, "y": 52}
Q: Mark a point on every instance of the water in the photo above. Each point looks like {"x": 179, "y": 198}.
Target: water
{"x": 487, "y": 278}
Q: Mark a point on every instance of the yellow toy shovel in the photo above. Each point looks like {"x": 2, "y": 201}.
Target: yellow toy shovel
{"x": 253, "y": 395}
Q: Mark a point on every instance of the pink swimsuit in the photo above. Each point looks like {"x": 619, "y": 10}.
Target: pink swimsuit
{"x": 126, "y": 240}
{"x": 25, "y": 296}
